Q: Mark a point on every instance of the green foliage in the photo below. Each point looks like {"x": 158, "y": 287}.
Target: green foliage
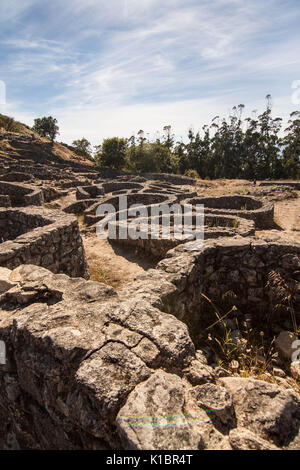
{"x": 250, "y": 148}
{"x": 82, "y": 147}
{"x": 191, "y": 174}
{"x": 9, "y": 124}
{"x": 149, "y": 157}
{"x": 111, "y": 153}
{"x": 46, "y": 127}
{"x": 291, "y": 153}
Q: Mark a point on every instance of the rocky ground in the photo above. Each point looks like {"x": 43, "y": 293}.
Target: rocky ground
{"x": 189, "y": 352}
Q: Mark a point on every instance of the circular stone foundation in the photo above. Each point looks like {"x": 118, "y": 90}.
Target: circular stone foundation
{"x": 261, "y": 279}
{"x": 123, "y": 203}
{"x": 214, "y": 226}
{"x": 42, "y": 237}
{"x": 261, "y": 212}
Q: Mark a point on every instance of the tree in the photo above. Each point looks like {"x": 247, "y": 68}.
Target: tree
{"x": 269, "y": 163}
{"x": 82, "y": 147}
{"x": 233, "y": 147}
{"x": 168, "y": 137}
{"x": 251, "y": 149}
{"x": 291, "y": 152}
{"x": 182, "y": 157}
{"x": 150, "y": 157}
{"x": 112, "y": 153}
{"x": 46, "y": 127}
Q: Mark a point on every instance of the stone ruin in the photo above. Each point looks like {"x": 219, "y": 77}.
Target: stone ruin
{"x": 89, "y": 367}
{"x": 42, "y": 237}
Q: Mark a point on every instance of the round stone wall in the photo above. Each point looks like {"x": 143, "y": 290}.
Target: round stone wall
{"x": 43, "y": 237}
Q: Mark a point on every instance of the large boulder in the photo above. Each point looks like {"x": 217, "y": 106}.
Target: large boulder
{"x": 270, "y": 411}
{"x": 154, "y": 416}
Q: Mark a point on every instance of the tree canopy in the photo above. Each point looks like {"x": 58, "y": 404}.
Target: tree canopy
{"x": 82, "y": 147}
{"x": 254, "y": 147}
{"x": 46, "y": 127}
{"x": 111, "y": 153}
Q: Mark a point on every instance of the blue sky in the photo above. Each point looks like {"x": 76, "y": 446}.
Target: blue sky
{"x": 112, "y": 68}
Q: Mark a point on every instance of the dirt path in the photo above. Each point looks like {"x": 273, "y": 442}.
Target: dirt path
{"x": 287, "y": 218}
{"x": 112, "y": 264}
{"x": 287, "y": 214}
{"x": 116, "y": 266}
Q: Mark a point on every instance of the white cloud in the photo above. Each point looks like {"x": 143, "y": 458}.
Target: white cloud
{"x": 11, "y": 10}
{"x": 114, "y": 67}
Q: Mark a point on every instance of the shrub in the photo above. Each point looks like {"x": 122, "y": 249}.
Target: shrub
{"x": 112, "y": 153}
{"x": 191, "y": 174}
{"x": 9, "y": 124}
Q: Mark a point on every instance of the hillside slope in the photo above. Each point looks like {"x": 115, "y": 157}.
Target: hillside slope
{"x": 21, "y": 142}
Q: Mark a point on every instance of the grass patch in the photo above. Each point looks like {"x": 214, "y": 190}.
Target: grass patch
{"x": 248, "y": 351}
{"x": 100, "y": 274}
{"x": 81, "y": 223}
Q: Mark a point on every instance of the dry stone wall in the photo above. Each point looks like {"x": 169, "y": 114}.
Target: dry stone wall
{"x": 42, "y": 237}
{"x": 69, "y": 339}
{"x": 215, "y": 226}
{"x": 91, "y": 368}
{"x": 22, "y": 195}
{"x": 260, "y": 211}
{"x": 291, "y": 184}
{"x": 240, "y": 267}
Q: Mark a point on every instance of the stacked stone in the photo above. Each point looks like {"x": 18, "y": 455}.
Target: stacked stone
{"x": 106, "y": 370}
{"x": 42, "y": 237}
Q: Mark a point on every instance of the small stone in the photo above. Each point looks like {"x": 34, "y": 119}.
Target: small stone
{"x": 201, "y": 356}
{"x": 284, "y": 344}
{"x": 199, "y": 373}
{"x": 278, "y": 372}
{"x": 221, "y": 372}
{"x": 234, "y": 365}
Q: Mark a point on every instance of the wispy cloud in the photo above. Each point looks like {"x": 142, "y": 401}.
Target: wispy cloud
{"x": 128, "y": 64}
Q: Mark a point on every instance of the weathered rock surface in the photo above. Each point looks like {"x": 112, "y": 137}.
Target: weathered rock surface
{"x": 243, "y": 439}
{"x": 216, "y": 401}
{"x": 154, "y": 416}
{"x": 100, "y": 369}
{"x": 5, "y": 282}
{"x": 199, "y": 373}
{"x": 271, "y": 412}
{"x": 295, "y": 370}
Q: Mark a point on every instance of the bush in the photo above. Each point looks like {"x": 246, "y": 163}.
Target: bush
{"x": 191, "y": 174}
{"x": 9, "y": 124}
{"x": 112, "y": 153}
{"x": 82, "y": 147}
